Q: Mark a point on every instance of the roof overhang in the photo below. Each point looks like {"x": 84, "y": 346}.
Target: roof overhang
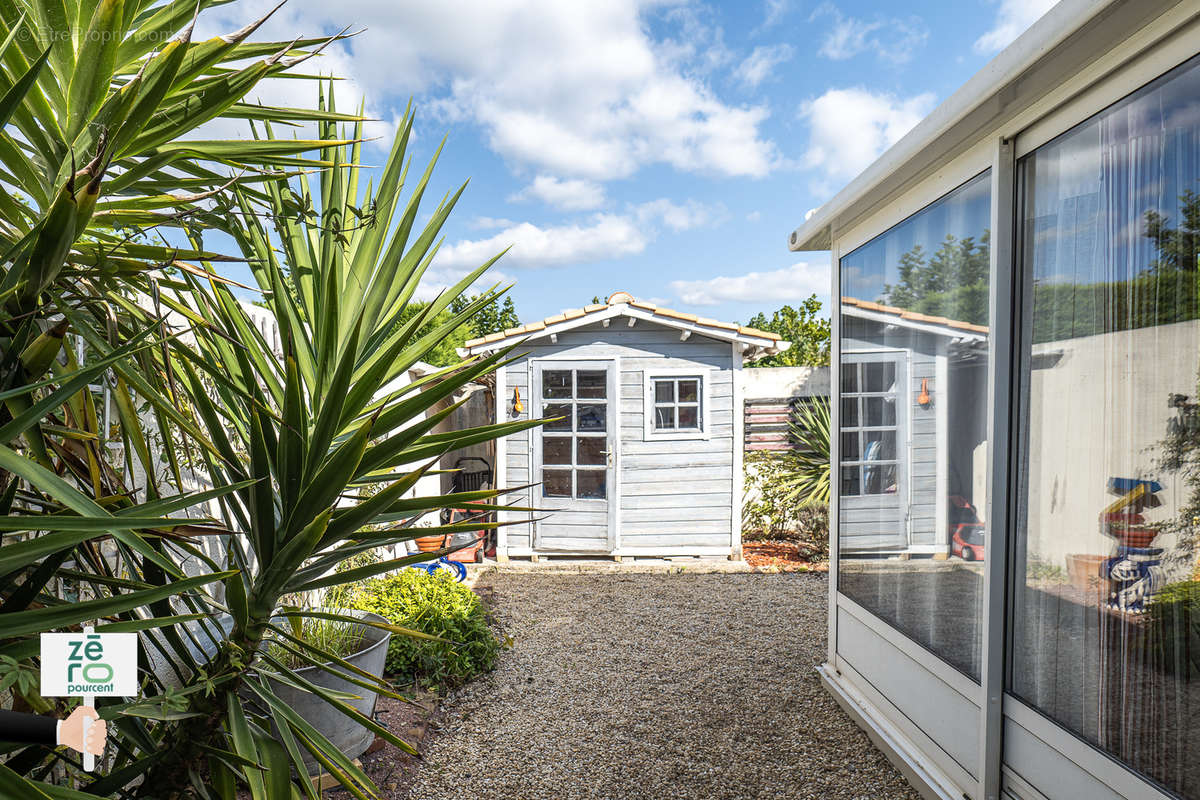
{"x": 1057, "y": 47}
{"x": 753, "y": 346}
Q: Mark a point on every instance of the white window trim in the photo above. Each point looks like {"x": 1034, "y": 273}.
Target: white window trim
{"x": 649, "y": 376}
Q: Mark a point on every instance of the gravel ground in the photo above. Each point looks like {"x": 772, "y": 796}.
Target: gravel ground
{"x": 655, "y": 686}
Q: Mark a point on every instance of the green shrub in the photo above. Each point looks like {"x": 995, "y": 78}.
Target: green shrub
{"x": 772, "y": 510}
{"x": 1174, "y": 630}
{"x": 437, "y": 605}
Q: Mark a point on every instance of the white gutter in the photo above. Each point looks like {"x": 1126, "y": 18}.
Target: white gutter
{"x": 1058, "y": 46}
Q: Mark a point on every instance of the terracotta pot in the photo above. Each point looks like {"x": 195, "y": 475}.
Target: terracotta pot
{"x": 1134, "y": 535}
{"x": 427, "y": 544}
{"x": 1084, "y": 571}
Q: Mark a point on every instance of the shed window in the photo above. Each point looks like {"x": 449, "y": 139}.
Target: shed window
{"x": 677, "y": 404}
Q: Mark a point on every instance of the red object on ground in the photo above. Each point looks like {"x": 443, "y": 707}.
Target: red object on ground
{"x": 966, "y": 531}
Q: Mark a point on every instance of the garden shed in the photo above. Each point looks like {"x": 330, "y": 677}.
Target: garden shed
{"x": 643, "y": 456}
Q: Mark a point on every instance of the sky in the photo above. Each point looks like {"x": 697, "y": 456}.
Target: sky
{"x": 661, "y": 147}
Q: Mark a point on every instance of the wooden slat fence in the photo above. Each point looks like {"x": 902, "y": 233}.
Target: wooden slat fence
{"x": 767, "y": 422}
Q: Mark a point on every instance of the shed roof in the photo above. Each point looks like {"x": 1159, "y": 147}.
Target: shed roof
{"x": 902, "y": 316}
{"x": 755, "y": 343}
{"x": 1057, "y": 47}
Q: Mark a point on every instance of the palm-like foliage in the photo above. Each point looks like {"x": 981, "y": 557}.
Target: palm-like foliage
{"x": 298, "y": 434}
{"x": 805, "y": 468}
{"x": 91, "y": 164}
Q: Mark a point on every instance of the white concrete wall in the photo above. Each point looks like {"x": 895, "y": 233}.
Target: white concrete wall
{"x": 775, "y": 382}
{"x": 1101, "y": 411}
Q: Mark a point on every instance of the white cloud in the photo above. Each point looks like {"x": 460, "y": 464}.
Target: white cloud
{"x": 758, "y": 66}
{"x": 850, "y": 128}
{"x": 335, "y": 59}
{"x": 1012, "y": 19}
{"x": 571, "y": 89}
{"x": 754, "y": 216}
{"x": 604, "y": 236}
{"x": 490, "y": 223}
{"x": 600, "y": 237}
{"x": 572, "y": 194}
{"x": 774, "y": 11}
{"x": 891, "y": 39}
{"x": 678, "y": 217}
{"x": 789, "y": 284}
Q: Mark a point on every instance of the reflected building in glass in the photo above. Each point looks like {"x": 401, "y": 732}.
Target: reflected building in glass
{"x": 1015, "y": 599}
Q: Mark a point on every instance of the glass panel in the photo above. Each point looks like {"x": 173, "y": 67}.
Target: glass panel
{"x": 593, "y": 484}
{"x": 879, "y": 377}
{"x": 557, "y": 410}
{"x": 592, "y": 383}
{"x": 849, "y": 378}
{"x": 556, "y": 483}
{"x": 932, "y": 270}
{"x": 556, "y": 383}
{"x": 850, "y": 412}
{"x": 591, "y": 416}
{"x": 664, "y": 391}
{"x": 879, "y": 479}
{"x": 1106, "y": 611}
{"x": 689, "y": 391}
{"x": 850, "y": 484}
{"x": 592, "y": 450}
{"x": 664, "y": 417}
{"x": 881, "y": 411}
{"x": 879, "y": 445}
{"x": 689, "y": 417}
{"x": 850, "y": 446}
{"x": 556, "y": 449}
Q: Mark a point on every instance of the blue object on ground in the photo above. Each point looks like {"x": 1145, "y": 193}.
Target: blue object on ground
{"x": 457, "y": 569}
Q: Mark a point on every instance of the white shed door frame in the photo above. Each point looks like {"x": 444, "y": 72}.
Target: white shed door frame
{"x": 868, "y": 501}
{"x": 575, "y": 460}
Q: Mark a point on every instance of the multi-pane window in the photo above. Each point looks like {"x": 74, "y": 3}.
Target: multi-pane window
{"x": 575, "y": 445}
{"x": 677, "y": 405}
{"x": 868, "y": 464}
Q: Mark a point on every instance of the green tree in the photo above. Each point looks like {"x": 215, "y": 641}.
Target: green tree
{"x": 804, "y": 328}
{"x": 952, "y": 282}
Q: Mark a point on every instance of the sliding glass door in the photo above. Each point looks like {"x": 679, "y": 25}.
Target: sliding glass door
{"x": 1106, "y": 572}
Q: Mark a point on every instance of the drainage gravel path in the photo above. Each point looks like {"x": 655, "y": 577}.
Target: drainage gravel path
{"x": 655, "y": 686}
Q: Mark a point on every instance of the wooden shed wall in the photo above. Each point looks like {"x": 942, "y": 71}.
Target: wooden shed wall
{"x": 674, "y": 495}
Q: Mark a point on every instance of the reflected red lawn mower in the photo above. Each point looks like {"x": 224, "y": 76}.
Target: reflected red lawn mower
{"x": 966, "y": 530}
{"x": 466, "y": 480}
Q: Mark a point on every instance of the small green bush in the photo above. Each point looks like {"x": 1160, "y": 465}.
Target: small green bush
{"x": 1174, "y": 616}
{"x": 771, "y": 510}
{"x": 437, "y": 605}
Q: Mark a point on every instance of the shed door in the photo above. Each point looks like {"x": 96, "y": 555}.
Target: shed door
{"x": 873, "y": 513}
{"x": 575, "y": 457}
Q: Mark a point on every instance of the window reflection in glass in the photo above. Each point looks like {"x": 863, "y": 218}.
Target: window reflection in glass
{"x": 556, "y": 482}
{"x": 591, "y": 383}
{"x": 556, "y": 383}
{"x": 591, "y": 417}
{"x": 1106, "y": 612}
{"x": 556, "y": 450}
{"x": 913, "y": 361}
{"x": 592, "y": 483}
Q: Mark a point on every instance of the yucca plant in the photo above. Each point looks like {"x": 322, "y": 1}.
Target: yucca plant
{"x": 96, "y": 97}
{"x": 805, "y": 467}
{"x": 299, "y": 436}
